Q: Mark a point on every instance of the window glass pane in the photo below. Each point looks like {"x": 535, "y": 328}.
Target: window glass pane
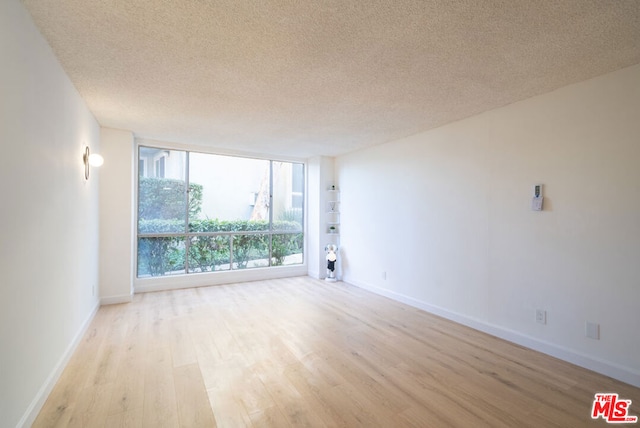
{"x": 161, "y": 191}
{"x": 250, "y": 251}
{"x": 233, "y": 193}
{"x": 286, "y": 249}
{"x": 227, "y": 201}
{"x": 209, "y": 253}
{"x": 288, "y": 196}
{"x": 160, "y": 256}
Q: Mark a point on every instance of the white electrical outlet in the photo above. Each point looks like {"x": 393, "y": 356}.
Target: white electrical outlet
{"x": 541, "y": 316}
{"x": 384, "y": 275}
{"x": 592, "y": 330}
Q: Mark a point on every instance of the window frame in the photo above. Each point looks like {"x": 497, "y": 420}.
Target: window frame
{"x": 187, "y": 235}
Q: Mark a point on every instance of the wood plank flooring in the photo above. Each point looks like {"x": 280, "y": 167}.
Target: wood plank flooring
{"x": 299, "y": 352}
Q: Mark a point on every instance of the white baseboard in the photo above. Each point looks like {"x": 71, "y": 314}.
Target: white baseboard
{"x": 36, "y": 405}
{"x": 313, "y": 274}
{"x": 163, "y": 283}
{"x": 114, "y": 300}
{"x": 623, "y": 374}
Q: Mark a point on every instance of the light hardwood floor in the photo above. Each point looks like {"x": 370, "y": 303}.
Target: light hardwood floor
{"x": 301, "y": 352}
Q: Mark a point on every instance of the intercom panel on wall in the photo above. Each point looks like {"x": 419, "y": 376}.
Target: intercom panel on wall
{"x": 536, "y": 202}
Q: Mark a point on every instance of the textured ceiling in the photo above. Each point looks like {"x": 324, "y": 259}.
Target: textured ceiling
{"x": 303, "y": 77}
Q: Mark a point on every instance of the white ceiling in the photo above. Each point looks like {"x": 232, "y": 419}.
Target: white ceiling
{"x": 302, "y": 77}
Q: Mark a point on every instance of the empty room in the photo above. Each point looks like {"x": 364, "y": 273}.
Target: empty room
{"x": 320, "y": 213}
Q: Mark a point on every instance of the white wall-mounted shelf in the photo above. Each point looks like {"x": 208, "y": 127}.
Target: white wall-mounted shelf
{"x": 332, "y": 226}
{"x": 332, "y": 213}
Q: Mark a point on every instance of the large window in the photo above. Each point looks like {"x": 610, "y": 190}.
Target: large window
{"x": 202, "y": 212}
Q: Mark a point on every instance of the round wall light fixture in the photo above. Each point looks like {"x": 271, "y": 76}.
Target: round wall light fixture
{"x": 90, "y": 159}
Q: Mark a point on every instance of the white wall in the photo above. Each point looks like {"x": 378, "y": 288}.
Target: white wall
{"x": 446, "y": 214}
{"x": 116, "y": 220}
{"x": 48, "y": 221}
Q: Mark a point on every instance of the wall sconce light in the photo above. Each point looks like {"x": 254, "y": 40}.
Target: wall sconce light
{"x": 90, "y": 160}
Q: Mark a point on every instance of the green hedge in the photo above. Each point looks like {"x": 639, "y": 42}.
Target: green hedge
{"x": 216, "y": 225}
{"x": 160, "y": 255}
{"x": 208, "y": 225}
{"x": 164, "y": 198}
